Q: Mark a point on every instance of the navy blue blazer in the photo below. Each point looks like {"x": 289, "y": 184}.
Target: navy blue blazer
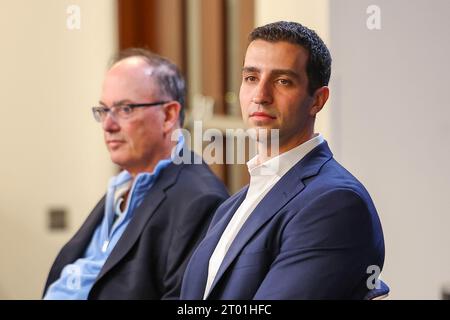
{"x": 149, "y": 260}
{"x": 312, "y": 236}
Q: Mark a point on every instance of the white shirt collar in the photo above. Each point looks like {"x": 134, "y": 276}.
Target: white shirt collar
{"x": 282, "y": 163}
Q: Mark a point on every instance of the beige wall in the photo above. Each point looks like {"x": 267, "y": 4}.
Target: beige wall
{"x": 51, "y": 149}
{"x": 392, "y": 127}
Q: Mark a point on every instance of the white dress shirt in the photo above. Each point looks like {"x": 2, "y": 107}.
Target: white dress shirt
{"x": 262, "y": 178}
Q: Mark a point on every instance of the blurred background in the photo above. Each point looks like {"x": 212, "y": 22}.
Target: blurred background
{"x": 388, "y": 119}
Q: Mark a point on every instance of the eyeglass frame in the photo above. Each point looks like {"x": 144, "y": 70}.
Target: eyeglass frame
{"x": 129, "y": 105}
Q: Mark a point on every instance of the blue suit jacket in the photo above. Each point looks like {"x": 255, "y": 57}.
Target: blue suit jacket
{"x": 312, "y": 236}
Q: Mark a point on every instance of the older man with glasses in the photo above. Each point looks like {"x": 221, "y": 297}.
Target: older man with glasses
{"x": 137, "y": 240}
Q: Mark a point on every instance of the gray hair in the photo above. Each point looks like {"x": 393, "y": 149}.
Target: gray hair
{"x": 167, "y": 74}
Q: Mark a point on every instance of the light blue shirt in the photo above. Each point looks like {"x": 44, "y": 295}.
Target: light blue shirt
{"x": 77, "y": 278}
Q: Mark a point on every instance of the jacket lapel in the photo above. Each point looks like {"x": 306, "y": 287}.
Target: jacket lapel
{"x": 284, "y": 190}
{"x": 77, "y": 245}
{"x": 142, "y": 214}
{"x": 229, "y": 207}
{"x": 197, "y": 270}
{"x": 82, "y": 238}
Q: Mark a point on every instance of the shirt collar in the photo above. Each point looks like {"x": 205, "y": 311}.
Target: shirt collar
{"x": 279, "y": 165}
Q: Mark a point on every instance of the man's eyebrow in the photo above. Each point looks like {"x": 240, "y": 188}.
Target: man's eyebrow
{"x": 275, "y": 72}
{"x": 286, "y": 72}
{"x": 250, "y": 69}
{"x": 125, "y": 101}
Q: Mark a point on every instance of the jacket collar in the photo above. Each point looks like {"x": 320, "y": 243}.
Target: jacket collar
{"x": 142, "y": 214}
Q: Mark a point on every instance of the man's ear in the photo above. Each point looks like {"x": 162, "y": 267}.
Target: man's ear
{"x": 171, "y": 116}
{"x": 320, "y": 98}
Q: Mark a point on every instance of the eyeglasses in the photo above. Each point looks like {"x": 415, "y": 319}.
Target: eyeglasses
{"x": 121, "y": 111}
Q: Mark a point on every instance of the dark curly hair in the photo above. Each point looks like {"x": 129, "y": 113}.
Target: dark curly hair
{"x": 318, "y": 68}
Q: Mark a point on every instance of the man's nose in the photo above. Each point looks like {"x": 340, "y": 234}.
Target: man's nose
{"x": 263, "y": 93}
{"x": 110, "y": 124}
